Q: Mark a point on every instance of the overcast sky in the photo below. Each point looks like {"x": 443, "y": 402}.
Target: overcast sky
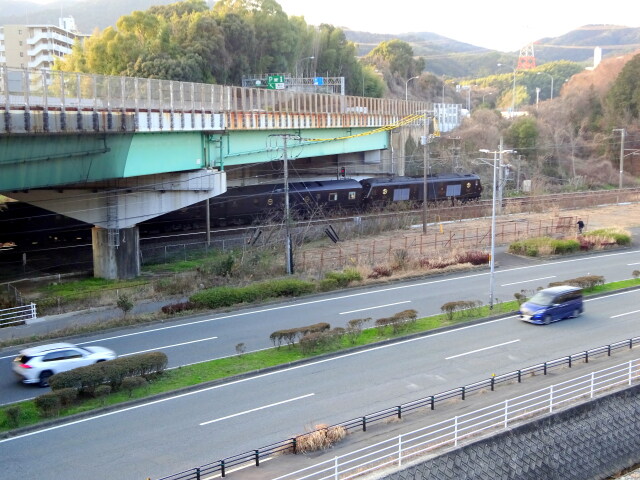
{"x": 504, "y": 25}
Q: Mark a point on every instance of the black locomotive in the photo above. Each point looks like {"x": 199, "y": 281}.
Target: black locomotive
{"x": 25, "y": 224}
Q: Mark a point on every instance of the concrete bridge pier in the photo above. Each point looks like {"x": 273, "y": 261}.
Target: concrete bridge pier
{"x": 116, "y": 253}
{"x": 115, "y": 207}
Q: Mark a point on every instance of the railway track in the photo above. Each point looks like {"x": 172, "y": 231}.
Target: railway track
{"x": 17, "y": 263}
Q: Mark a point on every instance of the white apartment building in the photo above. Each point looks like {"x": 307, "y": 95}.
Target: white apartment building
{"x": 36, "y": 46}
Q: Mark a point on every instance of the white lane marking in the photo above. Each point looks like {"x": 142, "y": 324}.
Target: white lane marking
{"x": 482, "y": 349}
{"x": 369, "y": 292}
{"x": 373, "y": 308}
{"x": 257, "y": 377}
{"x": 623, "y": 314}
{"x": 527, "y": 281}
{"x": 169, "y": 346}
{"x": 258, "y": 408}
{"x": 637, "y": 263}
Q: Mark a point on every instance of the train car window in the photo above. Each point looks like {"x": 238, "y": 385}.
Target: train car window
{"x": 400, "y": 194}
{"x": 352, "y": 195}
{"x": 454, "y": 190}
{"x": 333, "y": 197}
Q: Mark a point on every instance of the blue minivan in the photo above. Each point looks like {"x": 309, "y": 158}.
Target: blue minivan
{"x": 552, "y": 304}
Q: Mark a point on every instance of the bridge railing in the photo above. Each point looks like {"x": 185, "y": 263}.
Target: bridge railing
{"x": 23, "y": 91}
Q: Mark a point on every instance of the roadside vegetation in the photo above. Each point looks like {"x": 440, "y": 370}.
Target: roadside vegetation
{"x": 292, "y": 345}
{"x": 593, "y": 240}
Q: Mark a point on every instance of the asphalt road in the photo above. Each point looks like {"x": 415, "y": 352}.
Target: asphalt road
{"x": 163, "y": 437}
{"x": 206, "y": 337}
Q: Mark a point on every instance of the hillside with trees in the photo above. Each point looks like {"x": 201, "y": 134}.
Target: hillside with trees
{"x": 565, "y": 139}
{"x": 569, "y": 142}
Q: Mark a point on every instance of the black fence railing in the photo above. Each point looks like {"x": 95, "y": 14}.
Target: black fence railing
{"x": 361, "y": 423}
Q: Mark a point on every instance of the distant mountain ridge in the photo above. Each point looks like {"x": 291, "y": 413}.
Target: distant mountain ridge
{"x": 88, "y": 15}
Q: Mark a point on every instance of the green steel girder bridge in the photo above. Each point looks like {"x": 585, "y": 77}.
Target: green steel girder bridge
{"x": 115, "y": 151}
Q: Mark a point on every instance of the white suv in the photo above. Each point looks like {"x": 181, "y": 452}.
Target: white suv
{"x": 37, "y": 364}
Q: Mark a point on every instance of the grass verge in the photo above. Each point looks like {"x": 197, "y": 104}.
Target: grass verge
{"x": 28, "y": 415}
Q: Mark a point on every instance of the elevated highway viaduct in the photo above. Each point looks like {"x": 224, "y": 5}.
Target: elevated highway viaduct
{"x": 115, "y": 151}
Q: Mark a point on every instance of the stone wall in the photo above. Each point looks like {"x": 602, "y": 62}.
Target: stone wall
{"x": 590, "y": 441}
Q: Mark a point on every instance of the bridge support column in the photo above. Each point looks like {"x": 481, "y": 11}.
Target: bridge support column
{"x": 116, "y": 253}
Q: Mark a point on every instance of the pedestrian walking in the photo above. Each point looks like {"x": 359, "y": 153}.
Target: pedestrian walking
{"x": 580, "y": 226}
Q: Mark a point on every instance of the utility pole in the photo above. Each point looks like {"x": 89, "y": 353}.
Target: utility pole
{"x": 424, "y": 173}
{"x": 622, "y": 134}
{"x": 287, "y": 248}
{"x": 500, "y": 177}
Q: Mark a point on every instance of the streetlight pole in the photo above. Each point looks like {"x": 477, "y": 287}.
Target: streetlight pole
{"x": 549, "y": 75}
{"x": 406, "y": 88}
{"x": 492, "y": 263}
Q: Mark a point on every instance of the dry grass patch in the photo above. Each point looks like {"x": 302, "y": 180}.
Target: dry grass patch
{"x": 321, "y": 438}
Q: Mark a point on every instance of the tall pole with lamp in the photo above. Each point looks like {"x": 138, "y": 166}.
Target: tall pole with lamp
{"x": 493, "y": 223}
{"x": 406, "y": 88}
{"x": 548, "y": 75}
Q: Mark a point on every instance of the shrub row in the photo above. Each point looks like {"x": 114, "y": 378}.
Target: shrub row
{"x": 450, "y": 308}
{"x": 178, "y": 307}
{"x": 474, "y": 257}
{"x": 617, "y": 236}
{"x": 321, "y": 340}
{"x": 113, "y": 372}
{"x": 532, "y": 247}
{"x": 588, "y": 281}
{"x": 398, "y": 321}
{"x": 344, "y": 278}
{"x": 228, "y": 296}
{"x": 380, "y": 271}
{"x": 291, "y": 335}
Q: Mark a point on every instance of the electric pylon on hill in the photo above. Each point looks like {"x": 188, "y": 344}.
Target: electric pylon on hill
{"x": 527, "y": 59}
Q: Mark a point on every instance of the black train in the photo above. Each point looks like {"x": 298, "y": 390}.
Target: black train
{"x": 25, "y": 224}
{"x": 452, "y": 187}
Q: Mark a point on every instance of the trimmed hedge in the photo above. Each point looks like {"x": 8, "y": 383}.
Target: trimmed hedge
{"x": 228, "y": 296}
{"x": 450, "y": 308}
{"x": 290, "y": 335}
{"x": 113, "y": 372}
{"x": 588, "y": 281}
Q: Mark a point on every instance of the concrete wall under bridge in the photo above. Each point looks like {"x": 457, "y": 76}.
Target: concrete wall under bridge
{"x": 591, "y": 441}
